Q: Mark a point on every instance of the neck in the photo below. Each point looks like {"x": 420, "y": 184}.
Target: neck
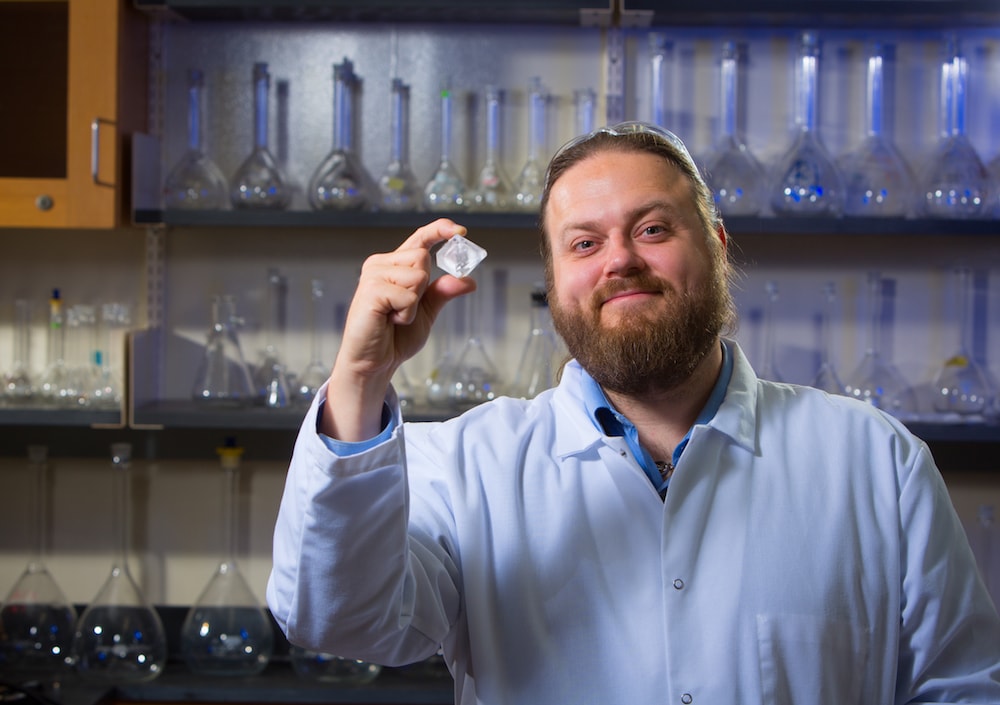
{"x": 663, "y": 417}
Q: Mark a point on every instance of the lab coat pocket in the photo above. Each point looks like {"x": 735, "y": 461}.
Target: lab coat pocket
{"x": 811, "y": 659}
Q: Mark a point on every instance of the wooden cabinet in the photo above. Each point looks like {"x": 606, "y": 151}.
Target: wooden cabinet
{"x": 76, "y": 90}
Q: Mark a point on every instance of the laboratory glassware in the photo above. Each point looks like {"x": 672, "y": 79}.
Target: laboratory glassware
{"x": 341, "y": 181}
{"x": 806, "y": 180}
{"x": 195, "y": 181}
{"x": 223, "y": 377}
{"x": 227, "y": 632}
{"x": 81, "y": 342}
{"x": 492, "y": 191}
{"x": 961, "y": 385}
{"x": 445, "y": 329}
{"x": 876, "y": 380}
{"x": 398, "y": 186}
{"x": 259, "y": 182}
{"x": 327, "y": 668}
{"x": 877, "y": 178}
{"x": 826, "y": 377}
{"x": 539, "y": 363}
{"x": 405, "y": 392}
{"x": 584, "y": 110}
{"x": 317, "y": 371}
{"x": 36, "y": 621}
{"x": 531, "y": 180}
{"x": 270, "y": 375}
{"x": 119, "y": 637}
{"x": 660, "y": 60}
{"x": 737, "y": 179}
{"x": 18, "y": 381}
{"x": 473, "y": 378}
{"x": 955, "y": 182}
{"x": 55, "y": 382}
{"x": 109, "y": 375}
{"x": 445, "y": 191}
{"x": 769, "y": 367}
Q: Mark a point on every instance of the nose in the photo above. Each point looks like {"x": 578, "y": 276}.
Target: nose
{"x": 621, "y": 257}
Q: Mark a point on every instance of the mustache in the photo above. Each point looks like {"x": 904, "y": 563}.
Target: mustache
{"x": 643, "y": 282}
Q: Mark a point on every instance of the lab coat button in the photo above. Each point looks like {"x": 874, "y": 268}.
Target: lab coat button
{"x": 679, "y": 585}
{"x": 686, "y": 698}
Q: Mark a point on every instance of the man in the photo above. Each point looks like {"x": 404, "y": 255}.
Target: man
{"x": 662, "y": 527}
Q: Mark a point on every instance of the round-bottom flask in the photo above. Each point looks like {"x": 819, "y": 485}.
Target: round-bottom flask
{"x": 327, "y": 668}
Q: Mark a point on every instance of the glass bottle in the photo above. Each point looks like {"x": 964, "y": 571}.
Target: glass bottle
{"x": 445, "y": 191}
{"x": 195, "y": 182}
{"x": 531, "y": 180}
{"x": 270, "y": 377}
{"x": 341, "y": 182}
{"x": 961, "y": 385}
{"x": 955, "y": 183}
{"x": 807, "y": 182}
{"x": 259, "y": 182}
{"x": 19, "y": 386}
{"x": 492, "y": 190}
{"x": 226, "y": 632}
{"x": 769, "y": 368}
{"x": 55, "y": 383}
{"x": 223, "y": 377}
{"x": 737, "y": 178}
{"x": 317, "y": 371}
{"x": 398, "y": 186}
{"x": 36, "y": 622}
{"x": 539, "y": 363}
{"x": 327, "y": 668}
{"x": 119, "y": 637}
{"x": 826, "y": 377}
{"x": 877, "y": 178}
{"x": 584, "y": 110}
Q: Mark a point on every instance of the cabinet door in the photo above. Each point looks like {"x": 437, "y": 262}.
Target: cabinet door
{"x": 78, "y": 91}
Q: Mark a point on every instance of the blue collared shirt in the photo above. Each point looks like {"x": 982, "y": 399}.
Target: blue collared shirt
{"x": 612, "y": 423}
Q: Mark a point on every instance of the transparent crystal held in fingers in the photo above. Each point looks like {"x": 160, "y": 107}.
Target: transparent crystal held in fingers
{"x": 459, "y": 256}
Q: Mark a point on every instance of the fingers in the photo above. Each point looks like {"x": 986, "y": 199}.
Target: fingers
{"x": 431, "y": 234}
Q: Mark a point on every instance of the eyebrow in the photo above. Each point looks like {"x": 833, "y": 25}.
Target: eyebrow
{"x": 668, "y": 208}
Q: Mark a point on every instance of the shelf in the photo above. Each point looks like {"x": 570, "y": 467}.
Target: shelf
{"x": 67, "y": 418}
{"x": 523, "y": 221}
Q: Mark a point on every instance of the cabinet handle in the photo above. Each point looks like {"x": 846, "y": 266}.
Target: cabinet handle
{"x": 95, "y": 151}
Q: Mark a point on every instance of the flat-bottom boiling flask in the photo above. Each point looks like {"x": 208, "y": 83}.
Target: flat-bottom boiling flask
{"x": 36, "y": 621}
{"x": 226, "y": 632}
{"x": 119, "y": 637}
{"x": 327, "y": 668}
{"x": 223, "y": 377}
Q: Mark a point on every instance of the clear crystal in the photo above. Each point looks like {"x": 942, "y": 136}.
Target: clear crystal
{"x": 459, "y": 256}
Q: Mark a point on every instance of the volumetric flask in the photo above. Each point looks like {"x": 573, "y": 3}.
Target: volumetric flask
{"x": 398, "y": 186}
{"x": 259, "y": 182}
{"x": 492, "y": 191}
{"x": 317, "y": 371}
{"x": 119, "y": 637}
{"x": 327, "y": 668}
{"x": 445, "y": 191}
{"x": 226, "y": 632}
{"x": 826, "y": 377}
{"x": 531, "y": 180}
{"x": 961, "y": 385}
{"x": 223, "y": 377}
{"x": 270, "y": 376}
{"x": 36, "y": 622}
{"x": 473, "y": 379}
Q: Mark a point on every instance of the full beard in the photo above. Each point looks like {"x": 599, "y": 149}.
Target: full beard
{"x": 653, "y": 350}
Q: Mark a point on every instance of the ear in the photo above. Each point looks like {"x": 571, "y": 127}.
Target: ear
{"x": 721, "y": 232}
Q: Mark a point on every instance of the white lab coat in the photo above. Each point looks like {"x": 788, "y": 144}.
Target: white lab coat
{"x": 807, "y": 552}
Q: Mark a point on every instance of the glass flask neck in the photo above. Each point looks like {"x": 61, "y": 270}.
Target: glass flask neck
{"x": 536, "y": 115}
{"x": 230, "y": 460}
{"x": 445, "y": 125}
{"x": 261, "y": 84}
{"x": 585, "y": 104}
{"x": 875, "y": 85}
{"x": 274, "y": 323}
{"x": 400, "y": 122}
{"x": 826, "y": 329}
{"x": 728, "y": 87}
{"x": 57, "y": 332}
{"x": 38, "y": 500}
{"x": 808, "y": 83}
{"x": 660, "y": 50}
{"x": 343, "y": 106}
{"x": 121, "y": 506}
{"x": 22, "y": 334}
{"x": 874, "y": 313}
{"x": 963, "y": 293}
{"x": 195, "y": 85}
{"x": 317, "y": 293}
{"x": 492, "y": 125}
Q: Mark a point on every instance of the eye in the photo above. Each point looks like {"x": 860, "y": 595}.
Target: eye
{"x": 583, "y": 245}
{"x": 653, "y": 230}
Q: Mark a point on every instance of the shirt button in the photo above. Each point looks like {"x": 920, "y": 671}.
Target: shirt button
{"x": 686, "y": 698}
{"x": 679, "y": 585}
{"x": 623, "y": 453}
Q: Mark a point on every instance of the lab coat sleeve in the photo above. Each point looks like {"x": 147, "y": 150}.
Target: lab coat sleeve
{"x": 348, "y": 576}
{"x": 949, "y": 631}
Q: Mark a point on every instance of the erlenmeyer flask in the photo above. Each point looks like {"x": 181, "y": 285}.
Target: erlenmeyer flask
{"x": 119, "y": 637}
{"x": 18, "y": 382}
{"x": 492, "y": 191}
{"x": 539, "y": 365}
{"x": 327, "y": 668}
{"x": 317, "y": 371}
{"x": 270, "y": 378}
{"x": 195, "y": 182}
{"x": 54, "y": 385}
{"x": 826, "y": 377}
{"x": 398, "y": 186}
{"x": 341, "y": 181}
{"x": 226, "y": 632}
{"x": 961, "y": 385}
{"x": 473, "y": 378}
{"x": 36, "y": 622}
{"x": 259, "y": 182}
{"x": 223, "y": 378}
{"x": 875, "y": 380}
{"x": 531, "y": 180}
{"x": 877, "y": 178}
{"x": 769, "y": 367}
{"x": 807, "y": 182}
{"x": 737, "y": 178}
{"x": 955, "y": 183}
{"x": 446, "y": 190}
